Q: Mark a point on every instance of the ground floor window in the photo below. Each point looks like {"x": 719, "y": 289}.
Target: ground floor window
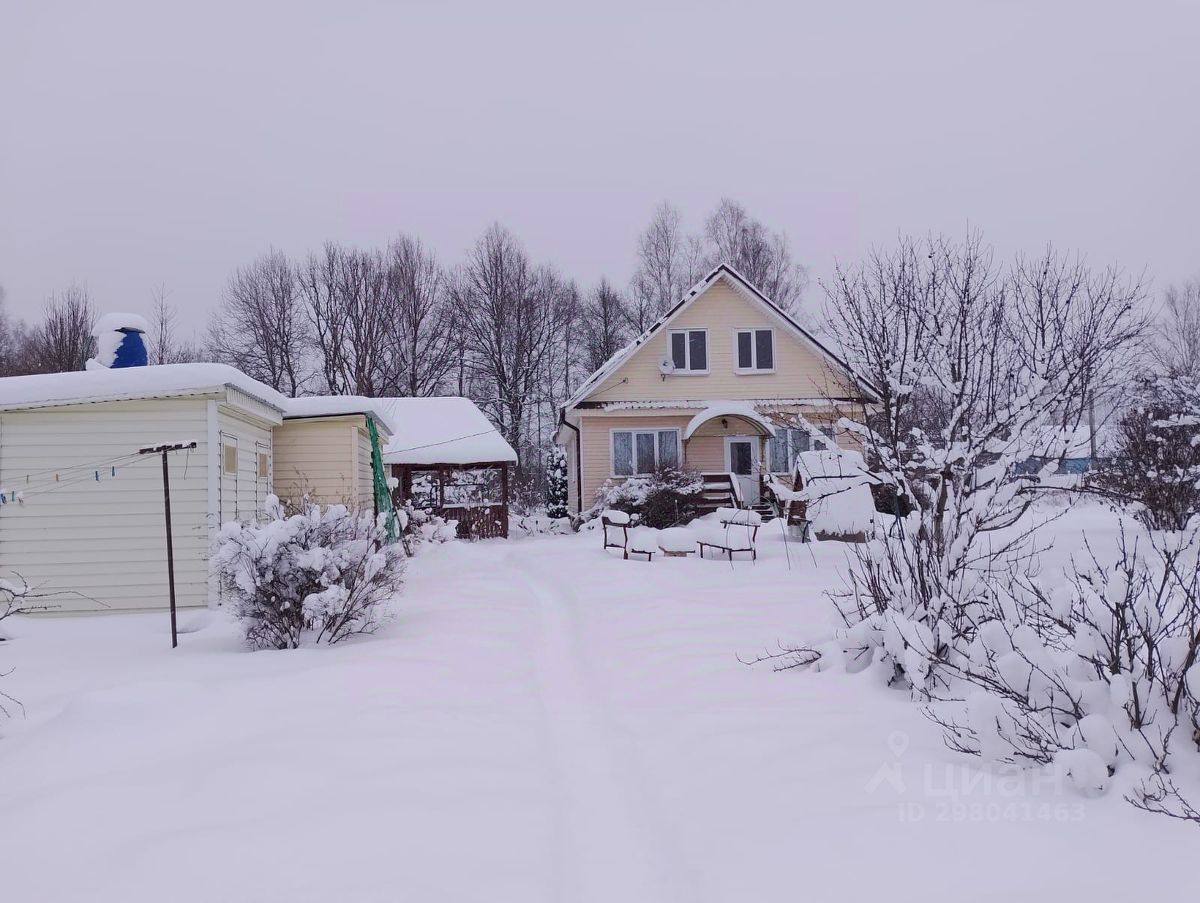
{"x": 789, "y": 442}
{"x": 637, "y": 452}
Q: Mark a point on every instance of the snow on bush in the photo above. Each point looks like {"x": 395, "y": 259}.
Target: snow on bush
{"x": 319, "y": 575}
{"x": 420, "y": 525}
{"x": 556, "y": 483}
{"x": 1092, "y": 673}
{"x": 663, "y": 499}
{"x": 1155, "y": 465}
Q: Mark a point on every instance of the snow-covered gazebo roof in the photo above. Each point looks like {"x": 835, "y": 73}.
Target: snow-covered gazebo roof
{"x": 448, "y": 430}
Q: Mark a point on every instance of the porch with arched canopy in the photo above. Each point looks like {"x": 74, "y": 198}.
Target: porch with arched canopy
{"x": 726, "y": 443}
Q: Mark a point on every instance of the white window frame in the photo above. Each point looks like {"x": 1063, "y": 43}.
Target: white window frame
{"x": 827, "y": 440}
{"x": 687, "y": 350}
{"x": 754, "y": 368}
{"x": 634, "y": 431}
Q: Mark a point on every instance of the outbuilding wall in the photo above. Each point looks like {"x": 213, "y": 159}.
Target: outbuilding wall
{"x": 96, "y": 540}
{"x": 326, "y": 458}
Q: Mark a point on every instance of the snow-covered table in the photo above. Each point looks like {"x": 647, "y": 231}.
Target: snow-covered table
{"x": 642, "y": 541}
{"x": 677, "y": 542}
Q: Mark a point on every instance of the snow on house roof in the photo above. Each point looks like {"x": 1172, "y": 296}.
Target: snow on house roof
{"x": 445, "y": 430}
{"x": 740, "y": 284}
{"x": 742, "y": 409}
{"x": 130, "y": 383}
{"x": 339, "y": 406}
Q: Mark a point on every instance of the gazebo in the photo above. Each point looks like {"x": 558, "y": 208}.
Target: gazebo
{"x": 447, "y": 457}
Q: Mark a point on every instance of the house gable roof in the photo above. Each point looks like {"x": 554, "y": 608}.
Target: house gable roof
{"x": 747, "y": 290}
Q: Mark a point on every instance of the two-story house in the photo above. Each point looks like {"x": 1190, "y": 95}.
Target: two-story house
{"x": 725, "y": 383}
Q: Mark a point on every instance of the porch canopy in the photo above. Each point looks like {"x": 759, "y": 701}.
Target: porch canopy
{"x": 726, "y": 409}
{"x": 448, "y": 446}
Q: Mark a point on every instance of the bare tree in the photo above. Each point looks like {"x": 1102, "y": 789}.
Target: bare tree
{"x": 423, "y": 335}
{"x": 603, "y": 325}
{"x": 260, "y": 327}
{"x": 511, "y": 316}
{"x": 978, "y": 366}
{"x": 1176, "y": 347}
{"x": 762, "y": 256}
{"x": 162, "y": 328}
{"x": 351, "y": 311}
{"x": 668, "y": 263}
{"x": 63, "y": 341}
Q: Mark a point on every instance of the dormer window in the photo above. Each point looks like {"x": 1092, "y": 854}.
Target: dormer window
{"x": 755, "y": 350}
{"x": 689, "y": 350}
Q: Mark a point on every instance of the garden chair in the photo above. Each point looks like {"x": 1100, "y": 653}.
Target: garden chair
{"x": 736, "y": 530}
{"x": 618, "y": 523}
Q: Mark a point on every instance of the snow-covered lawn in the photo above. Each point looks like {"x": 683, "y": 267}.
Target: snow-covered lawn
{"x": 542, "y": 722}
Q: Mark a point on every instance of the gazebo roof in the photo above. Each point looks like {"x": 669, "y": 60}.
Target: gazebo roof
{"x": 447, "y": 430}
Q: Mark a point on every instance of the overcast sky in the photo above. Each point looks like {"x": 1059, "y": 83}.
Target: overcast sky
{"x": 161, "y": 142}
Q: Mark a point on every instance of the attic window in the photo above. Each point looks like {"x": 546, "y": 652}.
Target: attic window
{"x": 755, "y": 350}
{"x": 689, "y": 350}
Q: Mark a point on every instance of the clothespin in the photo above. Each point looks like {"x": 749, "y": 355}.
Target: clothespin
{"x": 114, "y": 470}
{"x": 97, "y": 476}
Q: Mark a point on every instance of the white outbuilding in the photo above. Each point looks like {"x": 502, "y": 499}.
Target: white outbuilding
{"x": 81, "y": 512}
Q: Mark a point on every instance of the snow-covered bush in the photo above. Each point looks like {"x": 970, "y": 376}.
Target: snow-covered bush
{"x": 1096, "y": 672}
{"x": 420, "y": 525}
{"x": 1155, "y": 461}
{"x": 662, "y": 499}
{"x": 319, "y": 575}
{"x": 556, "y": 483}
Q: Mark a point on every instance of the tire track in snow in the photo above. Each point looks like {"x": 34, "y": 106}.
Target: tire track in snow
{"x": 608, "y": 850}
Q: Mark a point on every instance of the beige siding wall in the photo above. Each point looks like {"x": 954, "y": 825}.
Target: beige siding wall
{"x": 800, "y": 370}
{"x": 105, "y": 540}
{"x": 327, "y": 458}
{"x": 597, "y": 443}
{"x": 704, "y": 451}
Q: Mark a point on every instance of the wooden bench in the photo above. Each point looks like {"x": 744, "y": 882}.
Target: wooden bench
{"x": 738, "y": 532}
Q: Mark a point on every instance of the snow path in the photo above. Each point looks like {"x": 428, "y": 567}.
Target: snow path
{"x": 607, "y": 847}
{"x": 542, "y": 723}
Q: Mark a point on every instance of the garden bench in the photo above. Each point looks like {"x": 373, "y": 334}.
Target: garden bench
{"x": 736, "y": 530}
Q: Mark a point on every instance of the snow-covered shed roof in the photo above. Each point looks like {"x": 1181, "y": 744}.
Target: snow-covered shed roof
{"x": 131, "y": 383}
{"x": 445, "y": 430}
{"x": 743, "y": 286}
{"x": 339, "y": 406}
{"x": 742, "y": 409}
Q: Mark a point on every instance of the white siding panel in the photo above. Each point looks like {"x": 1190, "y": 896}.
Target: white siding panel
{"x": 241, "y": 496}
{"x": 101, "y": 543}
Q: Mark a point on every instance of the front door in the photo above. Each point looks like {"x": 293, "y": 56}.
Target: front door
{"x": 741, "y": 460}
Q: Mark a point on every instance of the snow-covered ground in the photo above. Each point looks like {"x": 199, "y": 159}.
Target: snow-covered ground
{"x": 542, "y": 722}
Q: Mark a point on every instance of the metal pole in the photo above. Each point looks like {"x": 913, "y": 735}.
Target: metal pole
{"x": 170, "y": 548}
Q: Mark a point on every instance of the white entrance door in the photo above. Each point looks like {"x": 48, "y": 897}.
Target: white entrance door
{"x": 741, "y": 460}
